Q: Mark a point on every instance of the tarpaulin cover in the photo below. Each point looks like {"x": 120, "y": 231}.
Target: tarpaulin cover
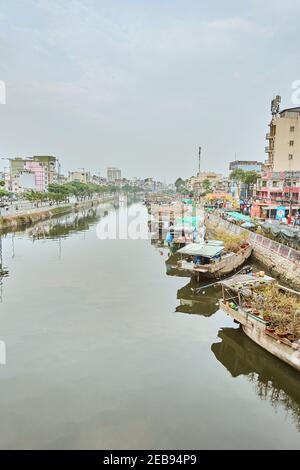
{"x": 283, "y": 234}
{"x": 201, "y": 249}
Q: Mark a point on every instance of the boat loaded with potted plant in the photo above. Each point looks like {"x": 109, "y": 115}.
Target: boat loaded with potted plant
{"x": 268, "y": 312}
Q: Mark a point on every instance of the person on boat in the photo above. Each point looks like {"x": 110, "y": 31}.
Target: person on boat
{"x": 202, "y": 233}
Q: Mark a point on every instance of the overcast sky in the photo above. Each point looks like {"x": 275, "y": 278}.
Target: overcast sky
{"x": 140, "y": 84}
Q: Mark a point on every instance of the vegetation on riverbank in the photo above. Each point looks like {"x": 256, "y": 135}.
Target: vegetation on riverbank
{"x": 58, "y": 193}
{"x": 231, "y": 242}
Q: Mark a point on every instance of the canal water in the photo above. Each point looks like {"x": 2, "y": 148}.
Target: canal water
{"x": 105, "y": 350}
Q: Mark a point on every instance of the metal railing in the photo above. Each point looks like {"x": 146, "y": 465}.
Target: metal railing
{"x": 256, "y": 239}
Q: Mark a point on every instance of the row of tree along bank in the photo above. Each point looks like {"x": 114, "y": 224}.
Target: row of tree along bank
{"x": 61, "y": 193}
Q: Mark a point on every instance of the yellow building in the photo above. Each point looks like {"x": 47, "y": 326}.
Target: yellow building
{"x": 195, "y": 183}
{"x": 284, "y": 141}
{"x": 79, "y": 177}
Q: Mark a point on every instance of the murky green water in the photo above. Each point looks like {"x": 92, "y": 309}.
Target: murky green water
{"x": 104, "y": 350}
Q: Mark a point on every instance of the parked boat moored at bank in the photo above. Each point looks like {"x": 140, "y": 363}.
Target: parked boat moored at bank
{"x": 268, "y": 313}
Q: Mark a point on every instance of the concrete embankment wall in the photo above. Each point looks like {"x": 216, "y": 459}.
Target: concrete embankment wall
{"x": 280, "y": 259}
{"x": 16, "y": 221}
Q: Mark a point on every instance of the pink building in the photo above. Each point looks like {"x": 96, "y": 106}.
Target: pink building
{"x": 40, "y": 174}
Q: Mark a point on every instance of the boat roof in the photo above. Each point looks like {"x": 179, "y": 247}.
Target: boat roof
{"x": 240, "y": 281}
{"x": 201, "y": 249}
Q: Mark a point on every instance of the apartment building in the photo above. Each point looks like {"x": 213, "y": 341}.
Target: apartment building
{"x": 113, "y": 174}
{"x": 284, "y": 140}
{"x": 44, "y": 168}
{"x": 277, "y": 187}
{"x": 79, "y": 176}
{"x": 195, "y": 183}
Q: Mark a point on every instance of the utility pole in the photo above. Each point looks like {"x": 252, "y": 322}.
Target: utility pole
{"x": 200, "y": 148}
{"x": 199, "y": 166}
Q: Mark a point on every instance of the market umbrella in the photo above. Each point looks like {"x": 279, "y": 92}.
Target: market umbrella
{"x": 248, "y": 225}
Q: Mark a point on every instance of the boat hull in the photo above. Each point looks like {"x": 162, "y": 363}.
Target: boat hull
{"x": 224, "y": 267}
{"x": 255, "y": 329}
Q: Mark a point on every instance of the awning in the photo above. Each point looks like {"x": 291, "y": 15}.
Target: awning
{"x": 248, "y": 225}
{"x": 238, "y": 216}
{"x": 201, "y": 249}
{"x": 189, "y": 219}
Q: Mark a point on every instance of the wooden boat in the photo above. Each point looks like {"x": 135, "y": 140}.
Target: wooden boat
{"x": 210, "y": 259}
{"x": 235, "y": 290}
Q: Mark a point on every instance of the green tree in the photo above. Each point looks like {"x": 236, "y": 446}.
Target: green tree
{"x": 206, "y": 185}
{"x": 3, "y": 193}
{"x": 250, "y": 179}
{"x": 179, "y": 184}
{"x": 237, "y": 176}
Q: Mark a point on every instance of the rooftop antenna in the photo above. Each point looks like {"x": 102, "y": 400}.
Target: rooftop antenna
{"x": 275, "y": 105}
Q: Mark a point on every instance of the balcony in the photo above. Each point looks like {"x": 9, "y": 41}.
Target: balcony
{"x": 268, "y": 149}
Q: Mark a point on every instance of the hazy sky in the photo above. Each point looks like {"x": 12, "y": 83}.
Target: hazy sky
{"x": 139, "y": 84}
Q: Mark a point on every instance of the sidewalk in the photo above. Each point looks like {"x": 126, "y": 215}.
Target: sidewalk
{"x": 26, "y": 208}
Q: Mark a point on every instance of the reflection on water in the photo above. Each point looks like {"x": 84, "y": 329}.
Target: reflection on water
{"x": 69, "y": 223}
{"x": 3, "y": 270}
{"x": 273, "y": 380}
{"x": 171, "y": 266}
{"x": 55, "y": 228}
{"x": 205, "y": 303}
{"x": 102, "y": 351}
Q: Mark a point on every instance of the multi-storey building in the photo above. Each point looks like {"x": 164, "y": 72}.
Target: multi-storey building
{"x": 40, "y": 173}
{"x": 246, "y": 165}
{"x": 113, "y": 174}
{"x": 279, "y": 187}
{"x": 45, "y": 169}
{"x": 284, "y": 139}
{"x": 195, "y": 183}
{"x": 51, "y": 164}
{"x": 79, "y": 176}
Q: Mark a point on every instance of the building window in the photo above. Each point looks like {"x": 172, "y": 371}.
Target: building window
{"x": 292, "y": 129}
{"x": 291, "y": 143}
{"x": 274, "y": 184}
{"x": 290, "y": 156}
{"x": 264, "y": 184}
